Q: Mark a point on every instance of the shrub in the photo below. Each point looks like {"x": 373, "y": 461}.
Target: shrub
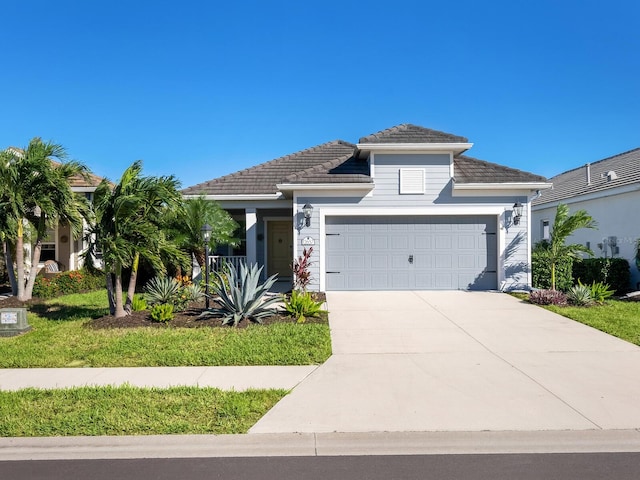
{"x": 302, "y": 305}
{"x": 612, "y": 271}
{"x": 162, "y": 290}
{"x": 64, "y": 283}
{"x": 600, "y": 292}
{"x": 138, "y": 303}
{"x": 541, "y": 269}
{"x": 162, "y": 312}
{"x": 300, "y": 268}
{"x": 579, "y": 295}
{"x": 548, "y": 297}
{"x": 243, "y": 296}
{"x": 193, "y": 292}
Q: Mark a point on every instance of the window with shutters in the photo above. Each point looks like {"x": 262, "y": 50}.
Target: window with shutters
{"x": 412, "y": 181}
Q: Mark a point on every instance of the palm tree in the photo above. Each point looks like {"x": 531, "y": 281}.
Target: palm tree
{"x": 41, "y": 198}
{"x": 129, "y": 226}
{"x": 10, "y": 212}
{"x": 563, "y": 226}
{"x": 186, "y": 227}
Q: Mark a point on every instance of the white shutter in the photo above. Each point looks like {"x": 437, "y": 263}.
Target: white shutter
{"x": 412, "y": 180}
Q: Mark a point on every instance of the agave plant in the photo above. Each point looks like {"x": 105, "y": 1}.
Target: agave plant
{"x": 580, "y": 295}
{"x": 162, "y": 290}
{"x": 242, "y": 296}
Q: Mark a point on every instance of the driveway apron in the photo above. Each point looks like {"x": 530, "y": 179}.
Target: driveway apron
{"x": 460, "y": 361}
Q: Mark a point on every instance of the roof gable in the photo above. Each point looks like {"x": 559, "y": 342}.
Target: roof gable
{"x": 408, "y": 133}
{"x": 573, "y": 183}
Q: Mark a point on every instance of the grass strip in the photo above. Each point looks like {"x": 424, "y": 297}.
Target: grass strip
{"x": 60, "y": 340}
{"x": 126, "y": 410}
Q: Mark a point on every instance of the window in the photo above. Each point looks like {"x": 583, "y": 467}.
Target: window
{"x": 411, "y": 181}
{"x": 48, "y": 246}
{"x": 545, "y": 230}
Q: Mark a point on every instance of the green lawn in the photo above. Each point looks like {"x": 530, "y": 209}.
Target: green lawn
{"x": 60, "y": 340}
{"x": 131, "y": 411}
{"x": 618, "y": 318}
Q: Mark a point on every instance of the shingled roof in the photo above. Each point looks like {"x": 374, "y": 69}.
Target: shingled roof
{"x": 619, "y": 170}
{"x": 472, "y": 170}
{"x": 408, "y": 133}
{"x": 263, "y": 178}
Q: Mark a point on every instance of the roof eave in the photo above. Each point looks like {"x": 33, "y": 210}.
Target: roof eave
{"x": 456, "y": 148}
{"x": 241, "y": 196}
{"x": 503, "y": 186}
{"x": 288, "y": 187}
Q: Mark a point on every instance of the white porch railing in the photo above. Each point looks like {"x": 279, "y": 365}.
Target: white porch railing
{"x": 217, "y": 262}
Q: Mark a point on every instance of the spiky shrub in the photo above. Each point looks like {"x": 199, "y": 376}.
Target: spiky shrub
{"x": 302, "y": 305}
{"x": 579, "y": 295}
{"x": 193, "y": 292}
{"x": 162, "y": 290}
{"x": 162, "y": 312}
{"x": 138, "y": 303}
{"x": 300, "y": 268}
{"x": 548, "y": 297}
{"x": 600, "y": 292}
{"x": 242, "y": 296}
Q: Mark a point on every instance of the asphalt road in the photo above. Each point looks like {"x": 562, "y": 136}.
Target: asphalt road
{"x": 619, "y": 466}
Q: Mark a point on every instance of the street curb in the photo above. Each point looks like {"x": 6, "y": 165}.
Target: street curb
{"x": 318, "y": 444}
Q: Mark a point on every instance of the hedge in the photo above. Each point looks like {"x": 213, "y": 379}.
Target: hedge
{"x": 64, "y": 283}
{"x": 615, "y": 272}
{"x": 541, "y": 272}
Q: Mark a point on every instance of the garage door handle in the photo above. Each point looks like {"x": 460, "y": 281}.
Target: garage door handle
{"x": 410, "y": 258}
{"x": 332, "y": 272}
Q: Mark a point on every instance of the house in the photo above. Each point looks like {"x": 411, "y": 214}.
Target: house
{"x": 59, "y": 245}
{"x": 609, "y": 190}
{"x": 401, "y": 209}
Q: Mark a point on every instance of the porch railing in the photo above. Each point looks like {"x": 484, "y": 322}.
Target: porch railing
{"x": 217, "y": 262}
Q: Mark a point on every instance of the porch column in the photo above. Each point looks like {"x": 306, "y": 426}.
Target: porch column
{"x": 251, "y": 219}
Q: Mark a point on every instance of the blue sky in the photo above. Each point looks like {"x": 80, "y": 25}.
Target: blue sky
{"x": 202, "y": 89}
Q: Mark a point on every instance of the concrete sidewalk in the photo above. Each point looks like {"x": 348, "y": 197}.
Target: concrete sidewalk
{"x": 460, "y": 361}
{"x": 226, "y": 378}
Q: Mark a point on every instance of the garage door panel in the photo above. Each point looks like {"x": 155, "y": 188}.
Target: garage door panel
{"x": 454, "y": 252}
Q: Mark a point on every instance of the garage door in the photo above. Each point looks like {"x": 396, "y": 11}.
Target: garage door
{"x": 411, "y": 253}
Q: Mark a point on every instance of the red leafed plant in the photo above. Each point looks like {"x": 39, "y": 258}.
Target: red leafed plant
{"x": 300, "y": 268}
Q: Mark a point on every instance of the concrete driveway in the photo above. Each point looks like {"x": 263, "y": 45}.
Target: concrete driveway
{"x": 460, "y": 361}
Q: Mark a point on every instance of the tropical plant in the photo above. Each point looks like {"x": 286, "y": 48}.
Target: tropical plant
{"x": 548, "y": 297}
{"x": 162, "y": 312}
{"x": 600, "y": 292}
{"x": 301, "y": 272}
{"x": 302, "y": 305}
{"x": 36, "y": 195}
{"x": 130, "y": 220}
{"x": 564, "y": 225}
{"x": 242, "y": 296}
{"x": 139, "y": 303}
{"x": 162, "y": 290}
{"x": 185, "y": 227}
{"x": 193, "y": 292}
{"x": 579, "y": 295}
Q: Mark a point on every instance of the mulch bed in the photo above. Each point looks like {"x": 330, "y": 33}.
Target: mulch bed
{"x": 189, "y": 318}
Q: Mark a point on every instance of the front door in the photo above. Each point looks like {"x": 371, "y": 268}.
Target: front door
{"x": 279, "y": 248}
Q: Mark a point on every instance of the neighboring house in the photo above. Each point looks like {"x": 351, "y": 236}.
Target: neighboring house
{"x": 59, "y": 244}
{"x": 402, "y": 209}
{"x": 609, "y": 190}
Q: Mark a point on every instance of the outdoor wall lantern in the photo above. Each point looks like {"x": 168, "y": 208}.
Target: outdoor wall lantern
{"x": 307, "y": 210}
{"x": 206, "y": 236}
{"x": 517, "y": 213}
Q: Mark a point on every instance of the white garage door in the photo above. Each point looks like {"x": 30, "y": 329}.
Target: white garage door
{"x": 411, "y": 253}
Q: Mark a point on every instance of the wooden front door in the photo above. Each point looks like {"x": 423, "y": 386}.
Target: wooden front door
{"x": 279, "y": 248}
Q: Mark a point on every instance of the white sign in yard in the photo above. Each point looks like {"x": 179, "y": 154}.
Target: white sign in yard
{"x": 9, "y": 317}
{"x": 308, "y": 241}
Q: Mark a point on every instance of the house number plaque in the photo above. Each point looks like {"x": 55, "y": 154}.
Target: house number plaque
{"x": 308, "y": 241}
{"x": 7, "y": 318}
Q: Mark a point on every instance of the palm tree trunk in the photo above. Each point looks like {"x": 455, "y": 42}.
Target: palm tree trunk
{"x": 8, "y": 261}
{"x": 110, "y": 295}
{"x": 131, "y": 291}
{"x": 553, "y": 275}
{"x": 20, "y": 260}
{"x": 35, "y": 259}
{"x": 120, "y": 312}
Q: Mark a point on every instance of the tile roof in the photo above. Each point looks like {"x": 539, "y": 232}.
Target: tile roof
{"x": 263, "y": 178}
{"x": 472, "y": 170}
{"x": 408, "y": 133}
{"x": 625, "y": 167}
{"x": 337, "y": 162}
